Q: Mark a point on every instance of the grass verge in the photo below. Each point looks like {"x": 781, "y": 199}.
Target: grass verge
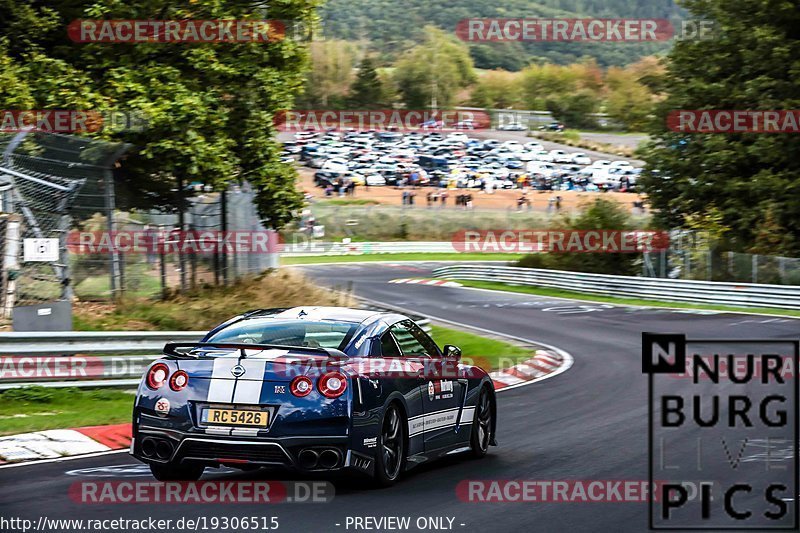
{"x": 39, "y": 408}
{"x": 489, "y": 354}
{"x": 400, "y": 257}
{"x": 570, "y": 140}
{"x": 205, "y": 307}
{"x": 575, "y": 295}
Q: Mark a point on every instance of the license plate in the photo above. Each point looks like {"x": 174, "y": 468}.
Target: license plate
{"x": 236, "y": 417}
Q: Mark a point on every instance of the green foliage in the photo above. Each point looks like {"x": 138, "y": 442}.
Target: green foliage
{"x": 209, "y": 107}
{"x": 753, "y": 63}
{"x": 574, "y": 109}
{"x": 601, "y": 214}
{"x": 34, "y": 394}
{"x": 433, "y": 71}
{"x": 392, "y": 27}
{"x": 331, "y": 73}
{"x": 367, "y": 91}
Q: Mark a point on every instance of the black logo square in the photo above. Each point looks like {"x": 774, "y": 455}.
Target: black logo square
{"x": 663, "y": 353}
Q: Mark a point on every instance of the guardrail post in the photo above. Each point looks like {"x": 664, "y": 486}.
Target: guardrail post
{"x": 754, "y": 267}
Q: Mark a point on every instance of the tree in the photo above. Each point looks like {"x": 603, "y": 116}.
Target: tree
{"x": 628, "y": 102}
{"x": 601, "y": 214}
{"x": 433, "y": 72}
{"x": 332, "y": 71}
{"x": 209, "y": 107}
{"x": 574, "y": 109}
{"x": 498, "y": 89}
{"x": 367, "y": 91}
{"x": 751, "y": 63}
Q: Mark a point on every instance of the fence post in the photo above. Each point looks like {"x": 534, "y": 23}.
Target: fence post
{"x": 223, "y": 198}
{"x": 754, "y": 267}
{"x": 115, "y": 282}
{"x": 162, "y": 253}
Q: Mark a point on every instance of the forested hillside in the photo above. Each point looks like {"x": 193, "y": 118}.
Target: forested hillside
{"x": 391, "y": 27}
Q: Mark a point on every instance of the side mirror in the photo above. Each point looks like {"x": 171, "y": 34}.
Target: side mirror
{"x": 452, "y": 352}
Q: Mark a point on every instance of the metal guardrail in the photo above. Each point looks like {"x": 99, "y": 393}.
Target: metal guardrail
{"x": 88, "y": 359}
{"x": 84, "y": 342}
{"x": 365, "y": 248}
{"x": 43, "y": 358}
{"x": 676, "y": 290}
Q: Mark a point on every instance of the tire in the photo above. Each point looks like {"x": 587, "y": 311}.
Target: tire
{"x": 390, "y": 458}
{"x": 481, "y": 434}
{"x": 173, "y": 472}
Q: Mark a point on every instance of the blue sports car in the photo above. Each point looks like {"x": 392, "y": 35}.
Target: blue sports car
{"x": 313, "y": 389}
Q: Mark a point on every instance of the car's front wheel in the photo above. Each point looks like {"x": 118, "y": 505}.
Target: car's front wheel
{"x": 391, "y": 454}
{"x": 482, "y": 424}
{"x": 176, "y": 472}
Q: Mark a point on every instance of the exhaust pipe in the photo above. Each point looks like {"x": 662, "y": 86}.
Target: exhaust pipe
{"x": 163, "y": 449}
{"x": 308, "y": 459}
{"x": 148, "y": 447}
{"x": 328, "y": 459}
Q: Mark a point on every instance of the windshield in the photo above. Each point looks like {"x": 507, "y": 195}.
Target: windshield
{"x": 319, "y": 334}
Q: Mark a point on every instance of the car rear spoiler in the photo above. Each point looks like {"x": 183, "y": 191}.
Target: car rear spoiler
{"x": 171, "y": 348}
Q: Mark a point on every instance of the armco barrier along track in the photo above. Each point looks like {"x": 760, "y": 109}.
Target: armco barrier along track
{"x": 677, "y": 290}
{"x": 110, "y": 358}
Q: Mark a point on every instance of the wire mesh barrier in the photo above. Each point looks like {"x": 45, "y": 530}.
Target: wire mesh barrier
{"x": 53, "y": 182}
{"x": 62, "y": 237}
{"x": 200, "y": 254}
{"x": 692, "y": 257}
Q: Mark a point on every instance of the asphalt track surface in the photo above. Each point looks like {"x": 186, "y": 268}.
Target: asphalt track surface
{"x": 589, "y": 423}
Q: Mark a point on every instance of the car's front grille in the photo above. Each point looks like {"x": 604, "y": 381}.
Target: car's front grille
{"x": 258, "y": 453}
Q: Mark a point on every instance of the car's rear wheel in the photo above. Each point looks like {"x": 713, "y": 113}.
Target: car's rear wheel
{"x": 482, "y": 424}
{"x": 177, "y": 472}
{"x": 391, "y": 454}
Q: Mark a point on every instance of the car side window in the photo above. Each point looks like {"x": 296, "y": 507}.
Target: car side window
{"x": 425, "y": 340}
{"x": 389, "y": 346}
{"x": 409, "y": 345}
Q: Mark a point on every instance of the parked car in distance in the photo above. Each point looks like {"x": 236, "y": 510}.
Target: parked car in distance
{"x": 579, "y": 158}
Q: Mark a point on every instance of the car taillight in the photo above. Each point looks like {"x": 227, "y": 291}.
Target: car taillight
{"x": 178, "y": 381}
{"x": 332, "y": 384}
{"x": 157, "y": 376}
{"x": 301, "y": 386}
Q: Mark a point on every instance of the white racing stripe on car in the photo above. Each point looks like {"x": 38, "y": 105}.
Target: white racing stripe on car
{"x": 439, "y": 420}
{"x": 248, "y": 391}
{"x": 220, "y": 390}
{"x": 224, "y": 388}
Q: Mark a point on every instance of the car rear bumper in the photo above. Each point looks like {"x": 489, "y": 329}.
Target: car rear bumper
{"x": 307, "y": 453}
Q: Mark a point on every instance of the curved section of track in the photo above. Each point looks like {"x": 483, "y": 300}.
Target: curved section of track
{"x": 589, "y": 423}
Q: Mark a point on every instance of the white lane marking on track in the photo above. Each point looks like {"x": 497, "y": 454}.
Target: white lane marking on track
{"x": 59, "y": 459}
